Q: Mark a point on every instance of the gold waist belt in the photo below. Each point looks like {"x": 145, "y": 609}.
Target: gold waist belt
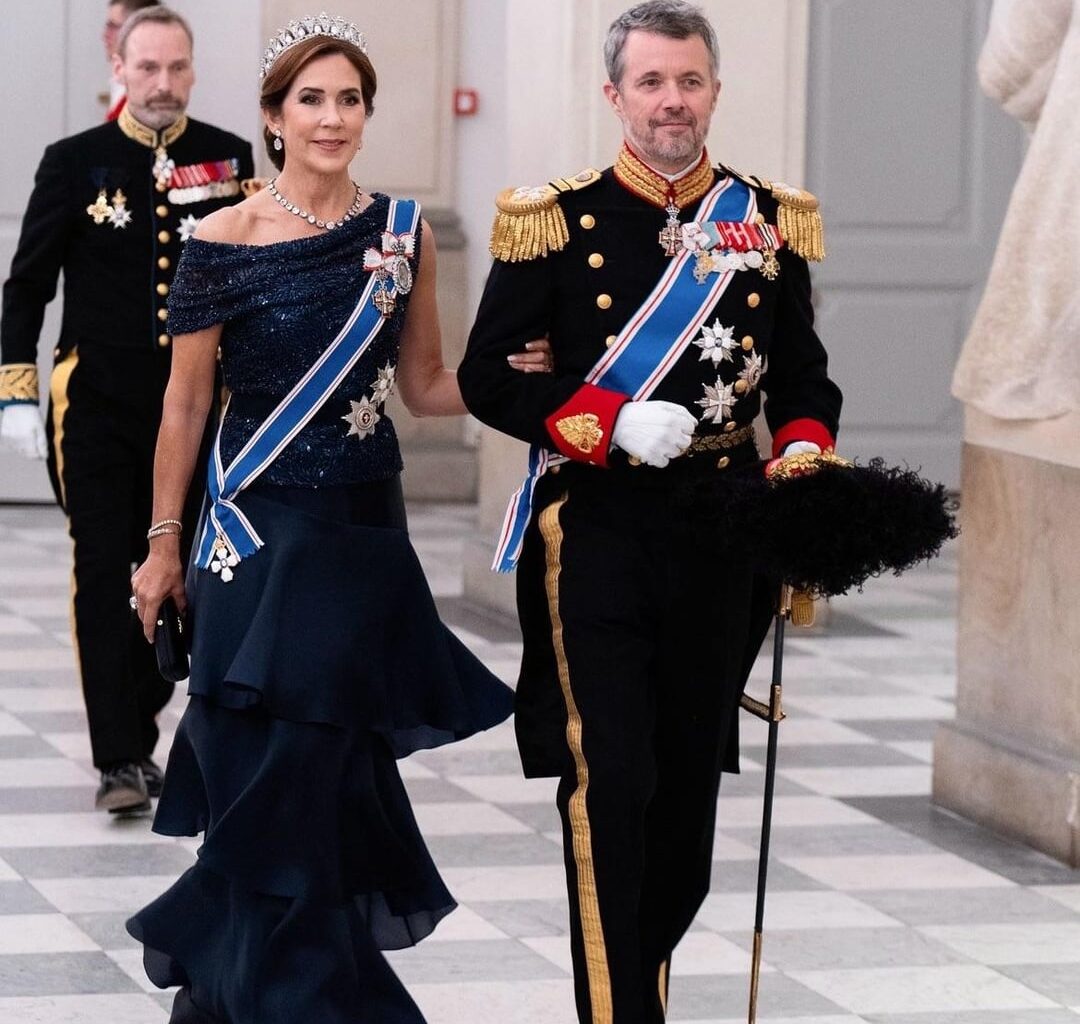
{"x": 714, "y": 442}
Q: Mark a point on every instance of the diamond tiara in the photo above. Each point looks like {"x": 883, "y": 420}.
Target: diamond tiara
{"x": 317, "y": 25}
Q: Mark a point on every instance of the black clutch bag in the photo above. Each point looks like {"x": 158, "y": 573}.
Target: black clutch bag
{"x": 170, "y": 642}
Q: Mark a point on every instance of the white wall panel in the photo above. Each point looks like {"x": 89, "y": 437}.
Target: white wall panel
{"x": 914, "y": 168}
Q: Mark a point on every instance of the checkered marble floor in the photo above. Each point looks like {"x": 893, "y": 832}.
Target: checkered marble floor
{"x": 881, "y": 908}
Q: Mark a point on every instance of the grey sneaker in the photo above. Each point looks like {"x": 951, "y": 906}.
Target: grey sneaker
{"x": 122, "y": 790}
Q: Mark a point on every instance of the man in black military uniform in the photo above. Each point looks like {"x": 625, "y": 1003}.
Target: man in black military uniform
{"x": 673, "y": 293}
{"x": 112, "y": 208}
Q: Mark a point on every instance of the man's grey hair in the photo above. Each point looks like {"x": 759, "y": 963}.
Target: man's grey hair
{"x": 157, "y": 15}
{"x": 675, "y": 19}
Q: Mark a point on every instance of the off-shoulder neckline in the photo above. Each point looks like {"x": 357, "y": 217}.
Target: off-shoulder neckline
{"x": 377, "y": 199}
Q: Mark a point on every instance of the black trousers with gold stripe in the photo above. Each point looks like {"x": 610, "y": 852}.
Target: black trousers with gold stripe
{"x": 651, "y": 635}
{"x": 105, "y": 408}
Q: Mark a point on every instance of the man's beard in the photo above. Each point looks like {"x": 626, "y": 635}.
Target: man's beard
{"x": 682, "y": 149}
{"x": 159, "y": 112}
{"x": 672, "y": 151}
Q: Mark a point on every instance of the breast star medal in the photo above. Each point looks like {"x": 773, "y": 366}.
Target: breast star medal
{"x": 717, "y": 343}
{"x": 362, "y": 418}
{"x": 718, "y": 402}
{"x": 187, "y": 226}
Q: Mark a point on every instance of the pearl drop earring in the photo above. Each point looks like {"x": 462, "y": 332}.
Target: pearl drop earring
{"x": 278, "y": 144}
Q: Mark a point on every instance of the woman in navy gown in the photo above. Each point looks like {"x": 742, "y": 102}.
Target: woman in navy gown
{"x": 318, "y": 658}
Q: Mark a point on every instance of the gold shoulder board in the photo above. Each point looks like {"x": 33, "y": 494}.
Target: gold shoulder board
{"x": 529, "y": 221}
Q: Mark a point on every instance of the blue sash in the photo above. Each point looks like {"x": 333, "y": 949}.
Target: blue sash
{"x": 227, "y": 535}
{"x": 644, "y": 351}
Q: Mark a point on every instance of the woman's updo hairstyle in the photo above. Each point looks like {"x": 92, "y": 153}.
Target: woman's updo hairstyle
{"x": 279, "y": 79}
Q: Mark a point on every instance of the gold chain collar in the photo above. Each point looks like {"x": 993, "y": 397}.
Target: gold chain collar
{"x": 137, "y": 131}
{"x": 644, "y": 182}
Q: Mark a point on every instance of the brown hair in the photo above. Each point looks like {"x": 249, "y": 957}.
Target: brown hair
{"x": 280, "y": 77}
{"x": 157, "y": 14}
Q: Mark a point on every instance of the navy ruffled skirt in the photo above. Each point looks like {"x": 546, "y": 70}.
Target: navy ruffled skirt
{"x": 313, "y": 670}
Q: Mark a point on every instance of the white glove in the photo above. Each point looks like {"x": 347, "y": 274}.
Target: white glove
{"x": 22, "y": 431}
{"x": 655, "y": 432}
{"x": 802, "y": 448}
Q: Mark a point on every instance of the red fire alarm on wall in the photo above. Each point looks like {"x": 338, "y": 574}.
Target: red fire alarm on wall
{"x": 466, "y": 102}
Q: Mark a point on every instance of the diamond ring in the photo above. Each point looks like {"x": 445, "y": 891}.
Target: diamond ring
{"x": 134, "y": 602}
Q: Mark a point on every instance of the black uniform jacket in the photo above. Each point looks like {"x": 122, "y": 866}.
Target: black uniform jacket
{"x": 116, "y": 279}
{"x": 581, "y": 296}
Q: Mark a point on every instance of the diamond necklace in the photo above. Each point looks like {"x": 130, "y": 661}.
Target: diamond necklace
{"x": 328, "y": 225}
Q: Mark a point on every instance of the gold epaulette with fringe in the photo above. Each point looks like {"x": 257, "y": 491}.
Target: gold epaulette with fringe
{"x": 798, "y": 216}
{"x": 530, "y": 223}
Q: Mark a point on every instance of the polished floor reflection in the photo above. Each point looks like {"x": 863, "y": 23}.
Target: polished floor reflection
{"x": 881, "y": 909}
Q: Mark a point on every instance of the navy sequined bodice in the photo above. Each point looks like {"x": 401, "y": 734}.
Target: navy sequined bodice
{"x": 281, "y": 305}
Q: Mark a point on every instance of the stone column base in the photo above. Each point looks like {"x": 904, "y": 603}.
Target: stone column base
{"x": 1027, "y": 794}
{"x": 1011, "y": 759}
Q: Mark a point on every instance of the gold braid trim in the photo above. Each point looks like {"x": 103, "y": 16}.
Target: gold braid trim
{"x": 799, "y": 219}
{"x": 18, "y": 383}
{"x": 638, "y": 177}
{"x": 530, "y": 223}
{"x": 805, "y": 462}
{"x": 139, "y": 133}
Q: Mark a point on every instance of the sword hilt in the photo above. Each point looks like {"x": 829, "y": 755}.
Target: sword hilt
{"x": 771, "y": 712}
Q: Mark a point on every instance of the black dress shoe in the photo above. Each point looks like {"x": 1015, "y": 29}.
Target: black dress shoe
{"x": 122, "y": 790}
{"x": 153, "y": 775}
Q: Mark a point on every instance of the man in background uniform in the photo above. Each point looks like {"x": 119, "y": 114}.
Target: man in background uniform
{"x": 674, "y": 293}
{"x": 112, "y": 208}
